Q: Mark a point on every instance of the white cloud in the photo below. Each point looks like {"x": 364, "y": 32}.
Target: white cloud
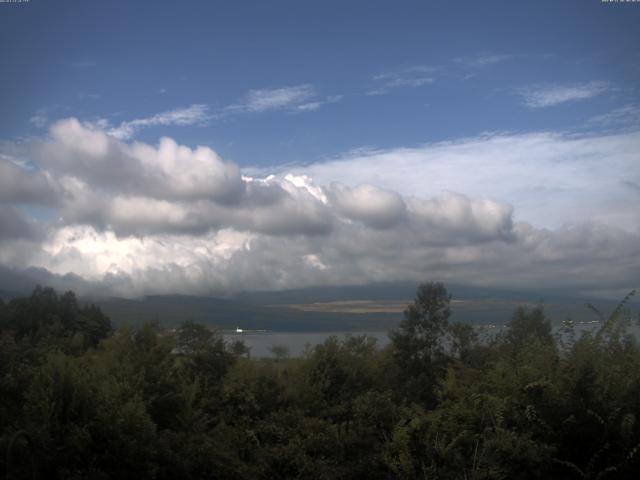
{"x": 15, "y": 225}
{"x": 549, "y": 95}
{"x": 550, "y": 179}
{"x": 299, "y": 98}
{"x": 374, "y": 206}
{"x": 423, "y": 75}
{"x": 484, "y": 59}
{"x": 103, "y": 163}
{"x": 583, "y": 257}
{"x": 315, "y": 105}
{"x": 142, "y": 189}
{"x": 412, "y": 77}
{"x": 139, "y": 219}
{"x": 277, "y": 98}
{"x": 625, "y": 115}
{"x": 454, "y": 218}
{"x": 196, "y": 114}
{"x": 20, "y": 185}
{"x": 40, "y": 119}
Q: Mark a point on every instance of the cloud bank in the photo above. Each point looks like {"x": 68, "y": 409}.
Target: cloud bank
{"x": 132, "y": 218}
{"x": 550, "y": 179}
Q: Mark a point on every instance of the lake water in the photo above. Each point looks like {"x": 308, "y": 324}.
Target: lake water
{"x": 261, "y": 342}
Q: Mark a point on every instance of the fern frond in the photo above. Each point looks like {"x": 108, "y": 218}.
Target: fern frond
{"x": 597, "y": 312}
{"x": 622, "y": 304}
{"x": 570, "y": 465}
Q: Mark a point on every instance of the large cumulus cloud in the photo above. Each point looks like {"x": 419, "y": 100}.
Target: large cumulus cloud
{"x": 168, "y": 171}
{"x": 373, "y": 206}
{"x": 137, "y": 219}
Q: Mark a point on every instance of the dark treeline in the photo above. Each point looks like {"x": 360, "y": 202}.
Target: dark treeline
{"x": 81, "y": 401}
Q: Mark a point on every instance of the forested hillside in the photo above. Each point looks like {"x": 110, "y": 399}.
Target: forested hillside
{"x": 80, "y": 400}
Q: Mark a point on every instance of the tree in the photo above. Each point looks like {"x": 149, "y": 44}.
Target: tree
{"x": 464, "y": 341}
{"x": 418, "y": 346}
{"x": 280, "y": 352}
{"x": 205, "y": 353}
{"x": 93, "y": 324}
{"x": 194, "y": 337}
{"x": 240, "y": 349}
{"x": 527, "y": 325}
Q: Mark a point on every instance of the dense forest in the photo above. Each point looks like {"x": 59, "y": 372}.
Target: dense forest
{"x": 79, "y": 400}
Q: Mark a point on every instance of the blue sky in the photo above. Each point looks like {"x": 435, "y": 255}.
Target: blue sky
{"x": 493, "y": 143}
{"x": 128, "y": 60}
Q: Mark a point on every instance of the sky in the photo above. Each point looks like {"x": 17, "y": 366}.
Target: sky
{"x": 208, "y": 147}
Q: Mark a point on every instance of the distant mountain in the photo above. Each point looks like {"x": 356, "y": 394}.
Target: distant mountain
{"x": 373, "y": 307}
{"x": 392, "y": 291}
{"x": 17, "y": 282}
{"x": 173, "y": 309}
{"x": 470, "y": 304}
{"x": 382, "y": 291}
{"x": 9, "y": 294}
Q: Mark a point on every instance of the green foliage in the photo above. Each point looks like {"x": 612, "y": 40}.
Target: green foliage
{"x": 280, "y": 351}
{"x": 528, "y": 325}
{"x": 85, "y": 402}
{"x": 418, "y": 347}
{"x": 60, "y": 322}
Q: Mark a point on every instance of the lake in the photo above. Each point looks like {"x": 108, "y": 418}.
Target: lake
{"x": 260, "y": 342}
